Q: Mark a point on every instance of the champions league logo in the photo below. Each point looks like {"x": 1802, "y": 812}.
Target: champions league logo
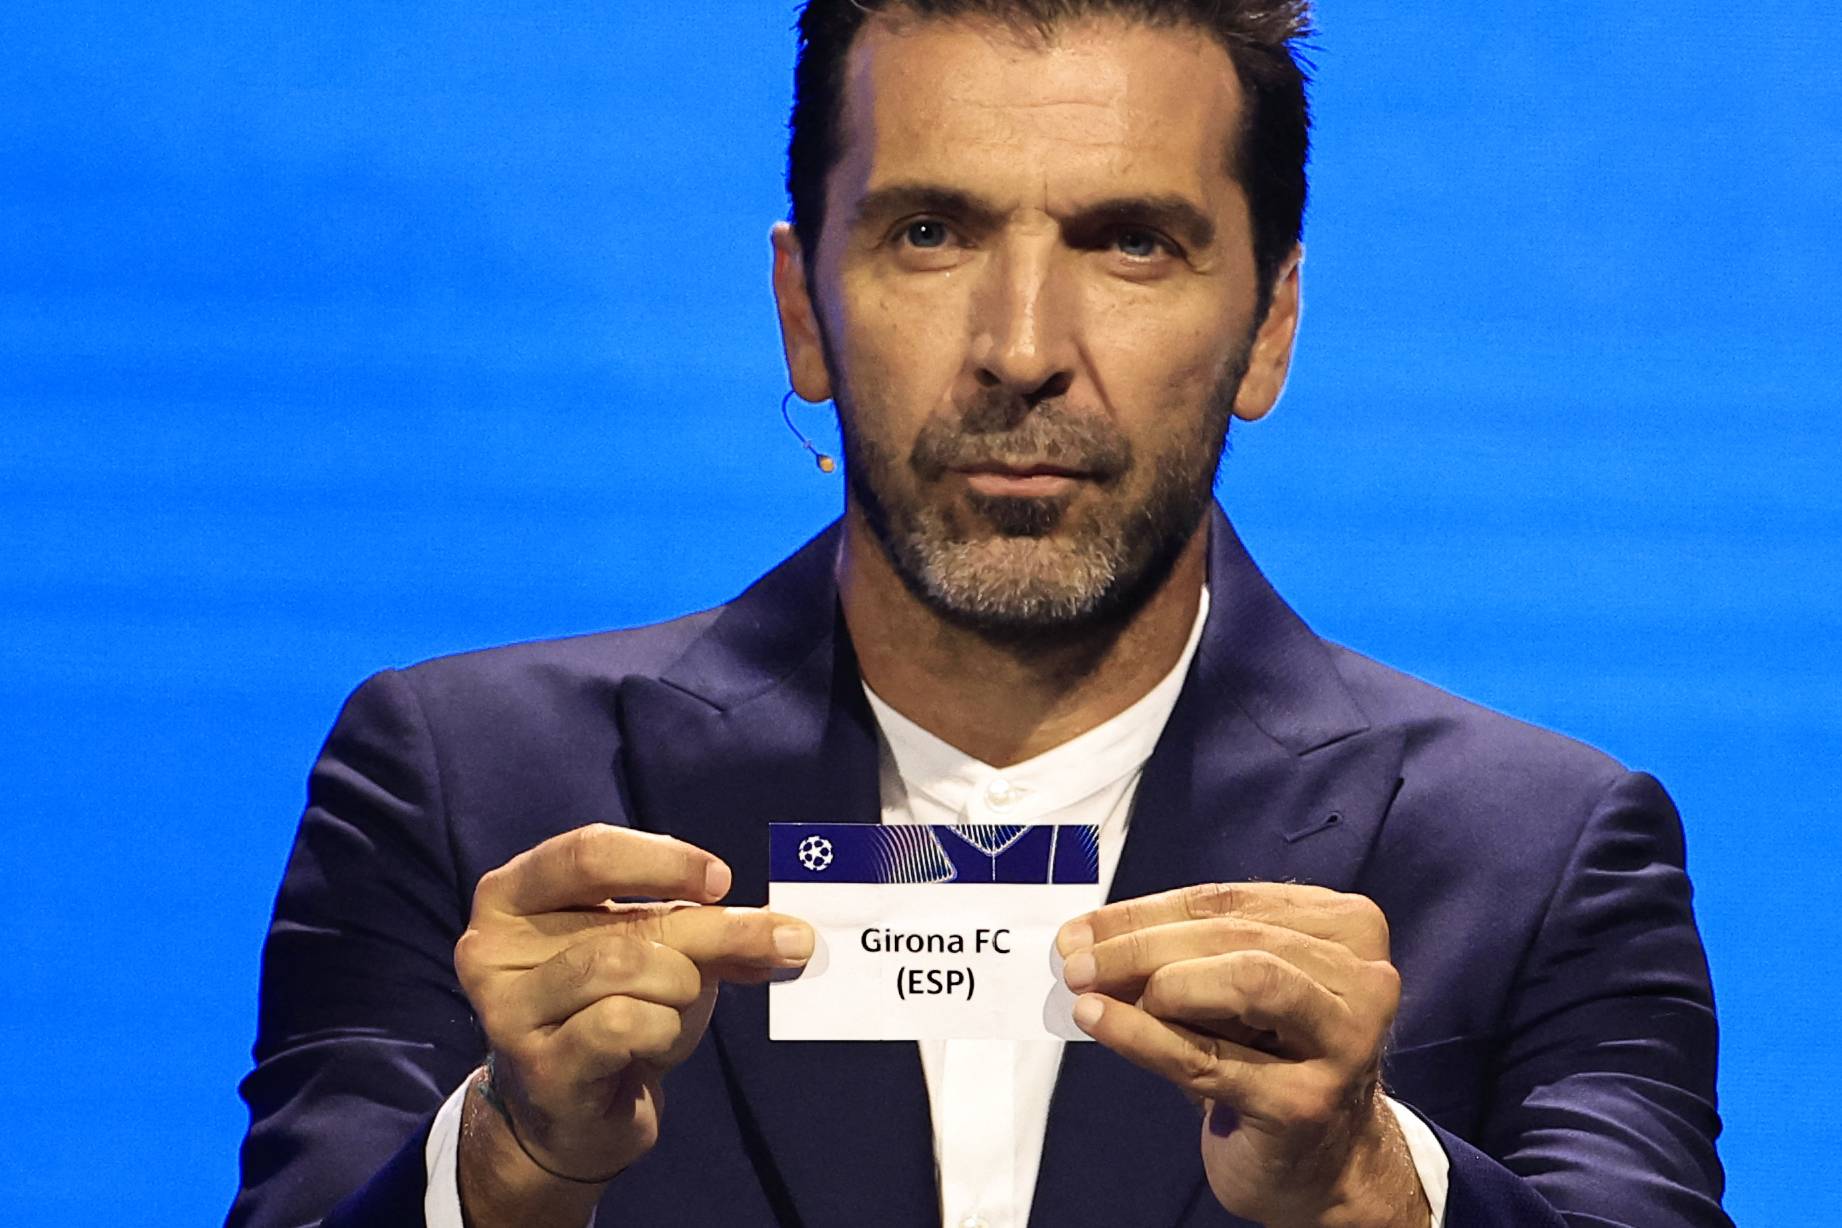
{"x": 919, "y": 854}
{"x": 815, "y": 853}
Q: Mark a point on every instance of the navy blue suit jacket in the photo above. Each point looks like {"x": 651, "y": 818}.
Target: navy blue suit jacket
{"x": 1556, "y": 1023}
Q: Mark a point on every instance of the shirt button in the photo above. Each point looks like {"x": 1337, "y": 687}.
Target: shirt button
{"x": 1001, "y": 794}
{"x": 974, "y": 1221}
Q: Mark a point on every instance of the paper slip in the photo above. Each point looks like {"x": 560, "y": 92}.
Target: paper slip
{"x": 930, "y": 933}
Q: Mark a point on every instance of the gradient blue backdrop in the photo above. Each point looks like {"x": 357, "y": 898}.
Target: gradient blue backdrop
{"x": 334, "y": 337}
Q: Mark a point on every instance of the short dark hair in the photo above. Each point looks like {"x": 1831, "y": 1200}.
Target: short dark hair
{"x": 1263, "y": 38}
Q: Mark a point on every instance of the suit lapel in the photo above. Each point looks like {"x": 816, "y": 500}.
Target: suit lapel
{"x": 764, "y": 720}
{"x": 1266, "y": 771}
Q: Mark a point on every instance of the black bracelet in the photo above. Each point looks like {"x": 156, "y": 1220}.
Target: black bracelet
{"x": 490, "y": 1094}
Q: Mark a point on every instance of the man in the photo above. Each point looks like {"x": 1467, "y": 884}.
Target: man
{"x": 1374, "y": 956}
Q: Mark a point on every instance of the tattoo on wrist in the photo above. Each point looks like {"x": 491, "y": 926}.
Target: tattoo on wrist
{"x": 489, "y": 1095}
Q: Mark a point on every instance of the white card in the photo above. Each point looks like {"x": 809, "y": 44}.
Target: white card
{"x": 930, "y": 933}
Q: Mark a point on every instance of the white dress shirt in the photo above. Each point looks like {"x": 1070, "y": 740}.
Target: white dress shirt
{"x": 990, "y": 1099}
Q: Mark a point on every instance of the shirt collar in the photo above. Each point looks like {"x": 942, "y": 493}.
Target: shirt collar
{"x": 1055, "y": 780}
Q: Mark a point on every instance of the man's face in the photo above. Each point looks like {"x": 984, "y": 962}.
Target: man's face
{"x": 1034, "y": 302}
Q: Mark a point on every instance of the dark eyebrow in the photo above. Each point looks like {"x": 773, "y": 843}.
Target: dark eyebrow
{"x": 1171, "y": 213}
{"x": 895, "y": 200}
{"x": 1174, "y": 215}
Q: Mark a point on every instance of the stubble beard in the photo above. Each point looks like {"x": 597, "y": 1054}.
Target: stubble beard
{"x": 1035, "y": 570}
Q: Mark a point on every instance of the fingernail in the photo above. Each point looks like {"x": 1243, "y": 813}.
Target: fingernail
{"x": 716, "y": 880}
{"x": 793, "y": 942}
{"x": 1223, "y": 1120}
{"x": 1080, "y": 970}
{"x": 1087, "y": 1012}
{"x": 1074, "y": 936}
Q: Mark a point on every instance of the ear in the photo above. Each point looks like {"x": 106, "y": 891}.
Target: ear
{"x": 799, "y": 321}
{"x": 1271, "y": 358}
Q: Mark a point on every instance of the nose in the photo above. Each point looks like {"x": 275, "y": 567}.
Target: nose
{"x": 1023, "y": 331}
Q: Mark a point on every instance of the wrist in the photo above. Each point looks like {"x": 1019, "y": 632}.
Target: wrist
{"x": 483, "y": 1084}
{"x": 1379, "y": 1186}
{"x": 501, "y": 1183}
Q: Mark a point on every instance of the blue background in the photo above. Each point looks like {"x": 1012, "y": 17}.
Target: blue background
{"x": 334, "y": 337}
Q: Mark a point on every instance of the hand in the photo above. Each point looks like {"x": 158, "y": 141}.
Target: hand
{"x": 587, "y": 1003}
{"x": 1268, "y": 1004}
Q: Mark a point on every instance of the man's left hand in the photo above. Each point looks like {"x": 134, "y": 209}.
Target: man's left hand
{"x": 1268, "y": 1004}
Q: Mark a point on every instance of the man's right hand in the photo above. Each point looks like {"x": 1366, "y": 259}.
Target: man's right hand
{"x": 587, "y": 1003}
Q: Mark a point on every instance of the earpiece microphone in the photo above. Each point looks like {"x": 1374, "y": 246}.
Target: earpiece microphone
{"x": 826, "y": 463}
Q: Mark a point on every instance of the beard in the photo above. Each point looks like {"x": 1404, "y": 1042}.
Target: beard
{"x": 1017, "y": 569}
